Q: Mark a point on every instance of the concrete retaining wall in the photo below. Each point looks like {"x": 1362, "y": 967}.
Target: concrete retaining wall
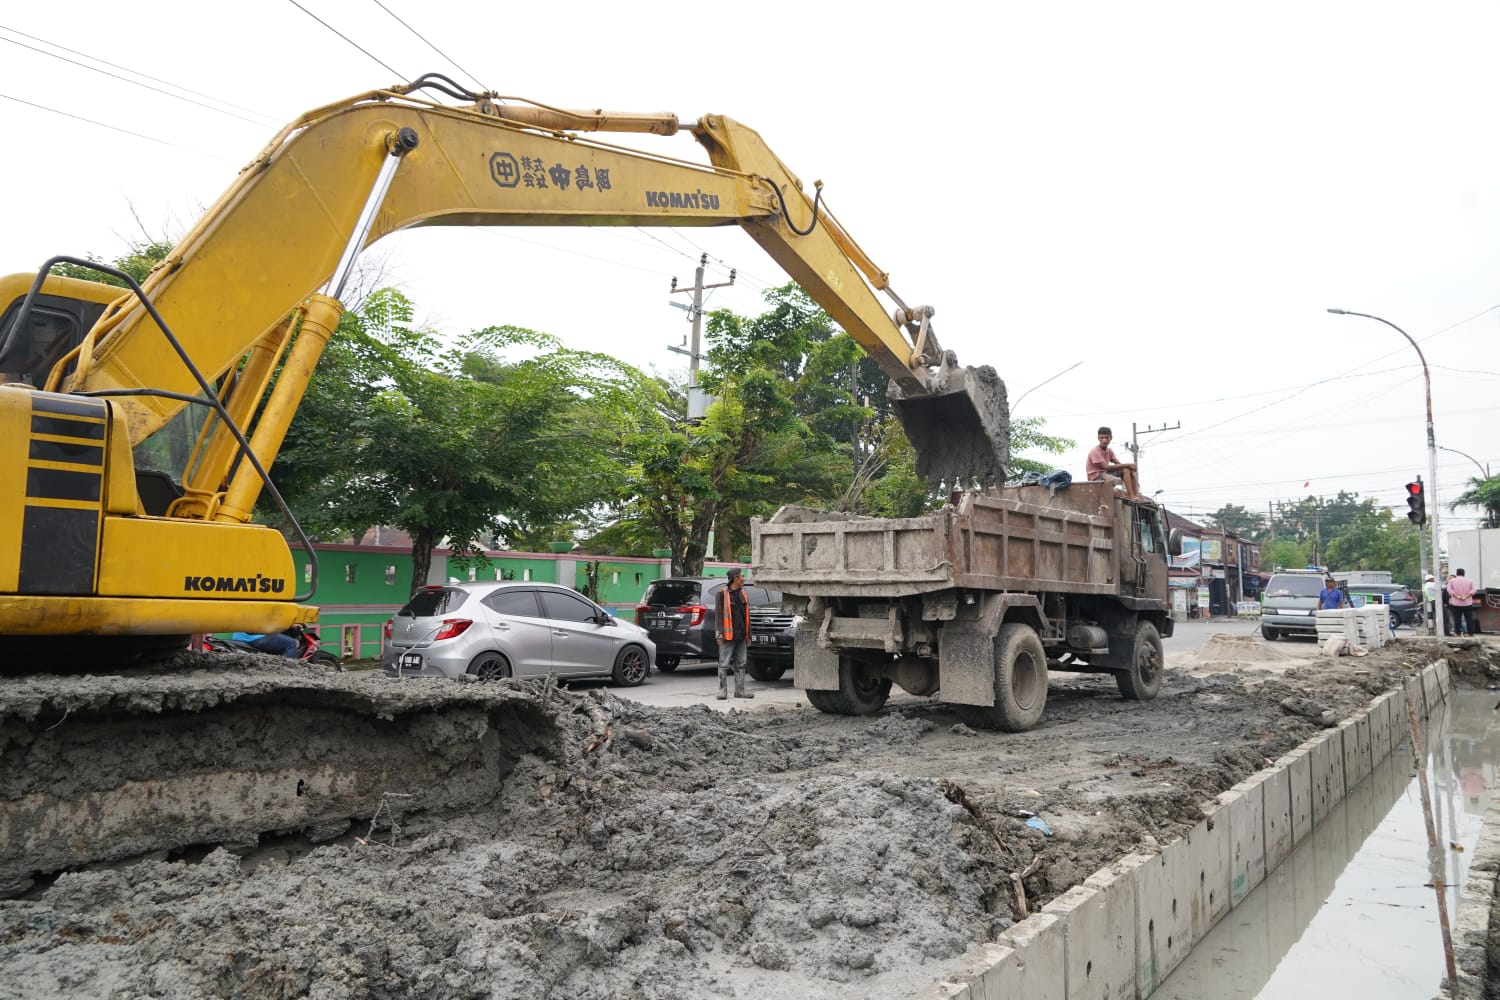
{"x": 1119, "y": 934}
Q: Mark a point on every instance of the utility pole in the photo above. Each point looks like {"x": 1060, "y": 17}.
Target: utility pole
{"x": 1135, "y": 448}
{"x": 1271, "y": 520}
{"x": 697, "y": 399}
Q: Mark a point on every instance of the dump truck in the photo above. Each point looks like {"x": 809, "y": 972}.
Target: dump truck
{"x": 976, "y": 601}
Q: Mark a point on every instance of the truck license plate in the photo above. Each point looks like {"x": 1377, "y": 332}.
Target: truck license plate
{"x": 411, "y": 661}
{"x": 762, "y": 639}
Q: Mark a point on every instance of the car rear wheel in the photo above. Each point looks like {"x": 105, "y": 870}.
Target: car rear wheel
{"x": 763, "y": 671}
{"x": 490, "y": 667}
{"x": 667, "y": 664}
{"x": 631, "y": 666}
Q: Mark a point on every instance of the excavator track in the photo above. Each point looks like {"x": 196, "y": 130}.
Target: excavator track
{"x": 215, "y": 748}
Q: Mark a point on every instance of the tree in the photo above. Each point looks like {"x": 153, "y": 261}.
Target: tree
{"x": 454, "y": 443}
{"x": 1376, "y": 539}
{"x": 1234, "y": 518}
{"x": 1483, "y": 494}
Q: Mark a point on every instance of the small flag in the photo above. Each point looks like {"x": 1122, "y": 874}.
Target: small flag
{"x": 1307, "y": 484}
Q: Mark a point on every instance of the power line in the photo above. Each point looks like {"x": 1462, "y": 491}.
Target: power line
{"x": 115, "y": 128}
{"x": 127, "y": 69}
{"x": 346, "y": 38}
{"x": 434, "y": 48}
{"x": 126, "y": 79}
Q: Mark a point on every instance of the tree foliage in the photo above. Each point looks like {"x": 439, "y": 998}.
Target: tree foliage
{"x": 1483, "y": 494}
{"x": 502, "y": 435}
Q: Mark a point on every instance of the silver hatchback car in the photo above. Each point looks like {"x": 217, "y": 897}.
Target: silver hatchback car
{"x": 512, "y": 629}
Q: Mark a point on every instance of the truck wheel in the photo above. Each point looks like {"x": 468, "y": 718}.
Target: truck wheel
{"x": 1020, "y": 683}
{"x": 763, "y": 671}
{"x": 1269, "y": 634}
{"x": 1141, "y": 680}
{"x": 858, "y": 693}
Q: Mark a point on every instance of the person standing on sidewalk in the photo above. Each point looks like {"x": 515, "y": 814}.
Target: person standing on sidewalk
{"x": 732, "y": 630}
{"x": 1429, "y": 595}
{"x": 1461, "y": 600}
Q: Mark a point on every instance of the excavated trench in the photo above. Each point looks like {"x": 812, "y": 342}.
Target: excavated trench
{"x": 512, "y": 840}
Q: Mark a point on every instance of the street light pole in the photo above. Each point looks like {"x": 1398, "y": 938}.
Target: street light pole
{"x": 1484, "y": 470}
{"x": 1432, "y": 484}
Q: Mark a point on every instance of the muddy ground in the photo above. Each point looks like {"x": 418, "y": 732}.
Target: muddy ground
{"x": 681, "y": 853}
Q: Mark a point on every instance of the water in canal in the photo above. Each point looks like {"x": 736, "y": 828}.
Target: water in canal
{"x": 1350, "y": 913}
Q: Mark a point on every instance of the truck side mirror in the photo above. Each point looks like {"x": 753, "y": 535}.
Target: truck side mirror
{"x": 1174, "y": 542}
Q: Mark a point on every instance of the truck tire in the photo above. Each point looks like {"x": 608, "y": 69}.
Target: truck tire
{"x": 1269, "y": 634}
{"x": 1141, "y": 679}
{"x": 857, "y": 694}
{"x": 763, "y": 671}
{"x": 1020, "y": 683}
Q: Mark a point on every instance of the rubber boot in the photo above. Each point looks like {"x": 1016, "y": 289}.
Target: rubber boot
{"x": 723, "y": 686}
{"x": 739, "y": 685}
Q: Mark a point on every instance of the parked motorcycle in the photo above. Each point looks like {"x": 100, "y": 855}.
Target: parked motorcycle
{"x": 308, "y": 643}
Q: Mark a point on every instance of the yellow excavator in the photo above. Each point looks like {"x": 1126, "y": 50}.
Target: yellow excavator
{"x": 138, "y": 426}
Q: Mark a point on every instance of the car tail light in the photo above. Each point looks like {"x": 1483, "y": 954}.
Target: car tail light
{"x": 697, "y": 611}
{"x": 389, "y": 622}
{"x": 641, "y": 610}
{"x": 452, "y": 627}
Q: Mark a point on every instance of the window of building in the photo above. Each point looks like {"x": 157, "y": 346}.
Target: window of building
{"x": 614, "y": 577}
{"x": 351, "y": 571}
{"x": 526, "y": 574}
{"x": 307, "y": 573}
{"x": 473, "y": 573}
{"x": 390, "y": 576}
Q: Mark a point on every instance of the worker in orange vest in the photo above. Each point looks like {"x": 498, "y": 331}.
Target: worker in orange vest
{"x": 732, "y": 630}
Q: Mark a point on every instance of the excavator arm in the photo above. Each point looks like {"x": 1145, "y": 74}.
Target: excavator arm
{"x": 243, "y": 296}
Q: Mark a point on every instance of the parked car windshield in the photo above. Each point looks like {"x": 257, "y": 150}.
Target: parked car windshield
{"x": 1295, "y": 586}
{"x": 428, "y": 602}
{"x": 671, "y": 592}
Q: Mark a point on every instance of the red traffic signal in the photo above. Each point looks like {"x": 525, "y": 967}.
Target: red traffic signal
{"x": 1416, "y": 503}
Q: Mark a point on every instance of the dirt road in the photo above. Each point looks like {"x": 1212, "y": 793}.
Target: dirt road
{"x": 649, "y": 852}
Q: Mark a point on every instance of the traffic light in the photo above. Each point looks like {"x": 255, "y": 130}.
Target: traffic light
{"x": 1416, "y": 503}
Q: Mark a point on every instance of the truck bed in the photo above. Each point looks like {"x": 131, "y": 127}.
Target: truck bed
{"x": 1020, "y": 538}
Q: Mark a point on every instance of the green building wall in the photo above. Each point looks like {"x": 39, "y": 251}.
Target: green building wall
{"x": 361, "y": 586}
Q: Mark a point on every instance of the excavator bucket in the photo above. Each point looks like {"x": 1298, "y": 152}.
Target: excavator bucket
{"x": 960, "y": 428}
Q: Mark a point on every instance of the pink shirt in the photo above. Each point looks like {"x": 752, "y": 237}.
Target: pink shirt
{"x": 1098, "y": 459}
{"x": 1460, "y": 591}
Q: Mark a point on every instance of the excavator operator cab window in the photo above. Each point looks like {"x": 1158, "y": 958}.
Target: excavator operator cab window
{"x": 56, "y": 326}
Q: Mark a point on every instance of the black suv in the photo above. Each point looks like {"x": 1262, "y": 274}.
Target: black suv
{"x": 773, "y": 633}
{"x": 1404, "y": 607}
{"x": 679, "y": 612}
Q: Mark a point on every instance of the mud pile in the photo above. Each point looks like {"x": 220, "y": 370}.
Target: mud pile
{"x": 675, "y": 853}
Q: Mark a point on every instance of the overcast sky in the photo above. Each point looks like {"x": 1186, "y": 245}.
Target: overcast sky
{"x": 1170, "y": 194}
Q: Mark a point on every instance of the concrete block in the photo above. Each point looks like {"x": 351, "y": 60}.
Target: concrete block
{"x": 1098, "y": 921}
{"x": 1355, "y": 733}
{"x": 1035, "y": 966}
{"x": 1246, "y": 805}
{"x": 1298, "y": 764}
{"x": 1338, "y": 782}
{"x": 1431, "y": 696}
{"x": 1166, "y": 891}
{"x": 1322, "y": 771}
{"x": 1445, "y": 677}
{"x": 1277, "y": 804}
{"x": 1209, "y": 843}
{"x": 1380, "y": 729}
{"x": 966, "y": 980}
{"x": 1400, "y": 723}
